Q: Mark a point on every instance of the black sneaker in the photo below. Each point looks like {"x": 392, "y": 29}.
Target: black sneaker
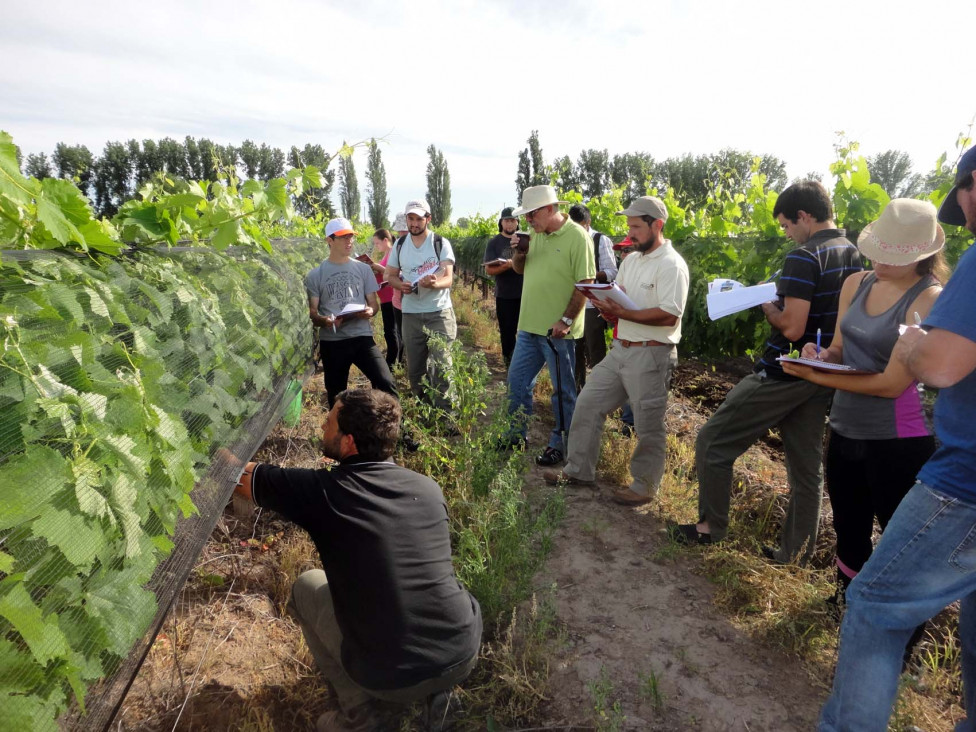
{"x": 549, "y": 457}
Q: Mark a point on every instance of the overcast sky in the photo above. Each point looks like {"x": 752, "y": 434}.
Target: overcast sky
{"x": 474, "y": 78}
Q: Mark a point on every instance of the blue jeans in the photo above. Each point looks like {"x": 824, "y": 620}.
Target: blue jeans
{"x": 926, "y": 559}
{"x": 531, "y": 353}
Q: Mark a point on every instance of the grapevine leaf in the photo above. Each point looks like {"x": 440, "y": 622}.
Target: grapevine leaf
{"x": 25, "y": 712}
{"x": 98, "y": 305}
{"x": 57, "y": 224}
{"x": 277, "y": 193}
{"x": 77, "y": 539}
{"x": 72, "y": 202}
{"x": 42, "y": 635}
{"x": 12, "y": 183}
{"x": 123, "y": 501}
{"x": 6, "y": 566}
{"x": 118, "y": 603}
{"x": 29, "y": 480}
{"x": 57, "y": 409}
{"x": 50, "y": 385}
{"x": 227, "y": 234}
{"x": 131, "y": 455}
{"x": 87, "y": 476}
{"x": 100, "y": 236}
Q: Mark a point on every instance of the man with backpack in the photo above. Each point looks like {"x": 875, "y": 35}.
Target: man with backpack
{"x": 421, "y": 266}
{"x": 592, "y": 347}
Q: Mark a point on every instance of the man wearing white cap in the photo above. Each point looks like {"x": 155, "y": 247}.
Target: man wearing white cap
{"x": 341, "y": 300}
{"x": 421, "y": 266}
{"x": 639, "y": 365}
{"x": 926, "y": 558}
{"x": 555, "y": 258}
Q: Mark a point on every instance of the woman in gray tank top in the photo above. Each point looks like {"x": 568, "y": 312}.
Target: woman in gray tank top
{"x": 879, "y": 437}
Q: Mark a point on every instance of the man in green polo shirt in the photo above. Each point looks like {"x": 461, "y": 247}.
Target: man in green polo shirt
{"x": 557, "y": 256}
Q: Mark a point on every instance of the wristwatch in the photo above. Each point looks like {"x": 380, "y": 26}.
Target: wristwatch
{"x": 568, "y": 322}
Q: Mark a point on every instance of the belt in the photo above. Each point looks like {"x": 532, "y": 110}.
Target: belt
{"x": 640, "y": 344}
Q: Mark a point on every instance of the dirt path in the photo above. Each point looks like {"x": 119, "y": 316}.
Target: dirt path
{"x": 633, "y": 612}
{"x": 641, "y": 629}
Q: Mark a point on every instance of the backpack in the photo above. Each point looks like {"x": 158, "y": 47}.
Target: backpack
{"x": 596, "y": 249}
{"x": 438, "y": 243}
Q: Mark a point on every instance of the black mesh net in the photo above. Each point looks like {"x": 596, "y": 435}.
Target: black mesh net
{"x": 131, "y": 391}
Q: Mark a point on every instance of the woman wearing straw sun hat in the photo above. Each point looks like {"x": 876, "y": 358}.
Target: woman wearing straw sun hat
{"x": 879, "y": 435}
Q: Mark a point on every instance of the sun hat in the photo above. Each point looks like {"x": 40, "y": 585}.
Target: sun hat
{"x": 646, "y": 206}
{"x": 400, "y": 223}
{"x": 949, "y": 211}
{"x": 625, "y": 243}
{"x": 339, "y": 227}
{"x": 535, "y": 197}
{"x": 906, "y": 232}
{"x": 419, "y": 206}
{"x": 506, "y": 214}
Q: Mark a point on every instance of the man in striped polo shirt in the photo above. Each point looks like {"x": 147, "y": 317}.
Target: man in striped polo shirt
{"x": 807, "y": 292}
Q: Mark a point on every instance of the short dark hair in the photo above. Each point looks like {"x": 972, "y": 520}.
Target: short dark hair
{"x": 579, "y": 213}
{"x": 382, "y": 234}
{"x": 807, "y": 195}
{"x": 372, "y": 417}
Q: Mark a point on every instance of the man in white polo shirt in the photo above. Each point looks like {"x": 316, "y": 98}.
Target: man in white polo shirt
{"x": 638, "y": 367}
{"x": 421, "y": 266}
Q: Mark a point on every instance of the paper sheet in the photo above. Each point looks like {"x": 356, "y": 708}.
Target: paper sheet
{"x": 823, "y": 365}
{"x": 722, "y": 302}
{"x": 604, "y": 292}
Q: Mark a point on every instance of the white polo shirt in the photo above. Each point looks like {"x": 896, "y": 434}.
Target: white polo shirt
{"x": 658, "y": 279}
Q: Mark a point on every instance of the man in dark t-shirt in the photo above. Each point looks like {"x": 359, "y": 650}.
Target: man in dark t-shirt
{"x": 808, "y": 292}
{"x": 508, "y": 282}
{"x": 387, "y": 619}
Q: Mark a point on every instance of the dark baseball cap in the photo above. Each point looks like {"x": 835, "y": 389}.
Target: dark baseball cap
{"x": 950, "y": 211}
{"x": 506, "y": 213}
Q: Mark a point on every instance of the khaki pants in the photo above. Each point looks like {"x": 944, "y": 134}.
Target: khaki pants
{"x": 427, "y": 360}
{"x": 751, "y": 409}
{"x": 311, "y": 605}
{"x": 640, "y": 375}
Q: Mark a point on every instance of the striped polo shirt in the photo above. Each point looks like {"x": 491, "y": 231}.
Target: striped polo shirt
{"x": 814, "y": 272}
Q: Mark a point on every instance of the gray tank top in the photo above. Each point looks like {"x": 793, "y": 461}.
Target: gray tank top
{"x": 868, "y": 342}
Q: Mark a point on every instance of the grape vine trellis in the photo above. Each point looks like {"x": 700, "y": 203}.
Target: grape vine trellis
{"x": 122, "y": 369}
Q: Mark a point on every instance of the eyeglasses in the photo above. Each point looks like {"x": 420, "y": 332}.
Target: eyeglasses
{"x": 530, "y": 214}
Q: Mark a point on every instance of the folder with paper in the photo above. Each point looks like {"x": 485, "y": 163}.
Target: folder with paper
{"x": 728, "y": 296}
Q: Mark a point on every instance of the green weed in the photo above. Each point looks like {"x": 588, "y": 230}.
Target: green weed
{"x": 609, "y": 714}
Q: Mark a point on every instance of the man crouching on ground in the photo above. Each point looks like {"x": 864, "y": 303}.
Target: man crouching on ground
{"x": 639, "y": 365}
{"x": 387, "y": 619}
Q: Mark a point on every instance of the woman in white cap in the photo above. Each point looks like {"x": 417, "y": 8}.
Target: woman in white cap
{"x": 879, "y": 437}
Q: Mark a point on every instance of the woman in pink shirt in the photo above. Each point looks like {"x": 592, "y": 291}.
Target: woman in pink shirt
{"x": 382, "y": 245}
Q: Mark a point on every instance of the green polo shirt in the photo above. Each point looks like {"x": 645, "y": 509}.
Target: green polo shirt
{"x": 554, "y": 264}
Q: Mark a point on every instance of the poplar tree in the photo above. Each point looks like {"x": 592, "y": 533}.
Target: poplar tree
{"x": 348, "y": 188}
{"x": 377, "y": 200}
{"x": 438, "y": 187}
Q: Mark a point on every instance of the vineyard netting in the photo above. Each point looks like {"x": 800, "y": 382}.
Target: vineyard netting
{"x": 131, "y": 389}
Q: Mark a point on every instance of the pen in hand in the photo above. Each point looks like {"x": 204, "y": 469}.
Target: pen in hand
{"x": 918, "y": 320}
{"x": 818, "y": 344}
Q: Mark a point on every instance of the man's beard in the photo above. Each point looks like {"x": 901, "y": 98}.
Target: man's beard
{"x": 418, "y": 232}
{"x": 331, "y": 449}
{"x": 645, "y": 246}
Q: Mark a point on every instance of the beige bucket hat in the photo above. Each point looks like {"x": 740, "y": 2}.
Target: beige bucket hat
{"x": 906, "y": 232}
{"x": 536, "y": 197}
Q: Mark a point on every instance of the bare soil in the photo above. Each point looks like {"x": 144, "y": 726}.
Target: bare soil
{"x": 634, "y": 608}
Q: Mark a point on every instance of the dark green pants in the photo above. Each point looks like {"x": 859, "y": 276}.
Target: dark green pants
{"x": 751, "y": 409}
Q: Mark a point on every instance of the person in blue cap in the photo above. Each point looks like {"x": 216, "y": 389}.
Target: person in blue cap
{"x": 926, "y": 558}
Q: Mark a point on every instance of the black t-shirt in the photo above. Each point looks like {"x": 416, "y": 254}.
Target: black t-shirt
{"x": 814, "y": 271}
{"x": 508, "y": 284}
{"x": 382, "y": 534}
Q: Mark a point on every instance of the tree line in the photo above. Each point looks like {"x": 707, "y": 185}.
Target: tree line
{"x": 115, "y": 176}
{"x": 692, "y": 177}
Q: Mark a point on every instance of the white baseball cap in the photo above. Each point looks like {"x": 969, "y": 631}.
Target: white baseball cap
{"x": 339, "y": 227}
{"x": 420, "y": 207}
